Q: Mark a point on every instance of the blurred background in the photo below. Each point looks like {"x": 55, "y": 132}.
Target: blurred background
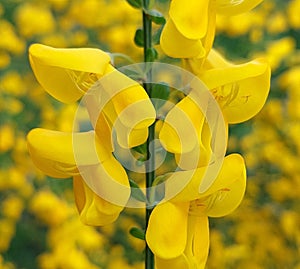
{"x": 39, "y": 224}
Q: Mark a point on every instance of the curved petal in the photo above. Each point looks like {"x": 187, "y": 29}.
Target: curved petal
{"x": 234, "y": 7}
{"x": 58, "y": 153}
{"x": 131, "y": 138}
{"x": 131, "y": 103}
{"x": 241, "y": 90}
{"x": 220, "y": 68}
{"x": 175, "y": 45}
{"x": 67, "y": 73}
{"x": 209, "y": 38}
{"x": 231, "y": 170}
{"x": 228, "y": 199}
{"x": 104, "y": 132}
{"x": 201, "y": 241}
{"x": 109, "y": 180}
{"x": 200, "y": 155}
{"x": 182, "y": 127}
{"x": 180, "y": 262}
{"x": 185, "y": 15}
{"x": 167, "y": 230}
{"x": 126, "y": 137}
{"x": 93, "y": 209}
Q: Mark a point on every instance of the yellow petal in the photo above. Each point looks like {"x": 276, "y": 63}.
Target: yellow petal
{"x": 209, "y": 38}
{"x": 180, "y": 262}
{"x": 58, "y": 153}
{"x": 175, "y": 45}
{"x": 233, "y": 167}
{"x": 220, "y": 70}
{"x": 182, "y": 126}
{"x": 93, "y": 209}
{"x": 167, "y": 231}
{"x": 131, "y": 103}
{"x": 127, "y": 137}
{"x": 64, "y": 73}
{"x": 203, "y": 154}
{"x": 201, "y": 241}
{"x": 103, "y": 131}
{"x": 132, "y": 138}
{"x": 185, "y": 15}
{"x": 234, "y": 7}
{"x": 108, "y": 180}
{"x": 228, "y": 199}
{"x": 241, "y": 90}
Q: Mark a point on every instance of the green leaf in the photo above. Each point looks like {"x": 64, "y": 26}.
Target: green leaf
{"x": 137, "y": 233}
{"x": 156, "y": 16}
{"x": 135, "y": 3}
{"x": 151, "y": 54}
{"x": 159, "y": 94}
{"x": 142, "y": 149}
{"x": 156, "y": 36}
{"x": 139, "y": 38}
{"x": 136, "y": 192}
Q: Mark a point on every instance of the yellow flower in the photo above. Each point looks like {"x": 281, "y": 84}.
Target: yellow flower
{"x": 241, "y": 90}
{"x": 186, "y": 215}
{"x": 113, "y": 101}
{"x": 54, "y": 153}
{"x": 69, "y": 74}
{"x": 189, "y": 31}
{"x": 29, "y": 17}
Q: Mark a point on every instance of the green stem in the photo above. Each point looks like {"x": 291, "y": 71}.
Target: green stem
{"x": 150, "y": 164}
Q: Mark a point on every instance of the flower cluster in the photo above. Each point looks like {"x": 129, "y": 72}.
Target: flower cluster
{"x": 240, "y": 91}
{"x": 122, "y": 105}
{"x": 37, "y": 205}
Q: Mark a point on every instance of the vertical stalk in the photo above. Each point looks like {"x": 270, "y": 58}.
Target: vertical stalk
{"x": 150, "y": 164}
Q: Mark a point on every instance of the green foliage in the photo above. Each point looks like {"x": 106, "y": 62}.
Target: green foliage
{"x": 156, "y": 16}
{"x": 139, "y": 38}
{"x": 136, "y": 192}
{"x": 151, "y": 54}
{"x": 137, "y": 233}
{"x": 160, "y": 94}
{"x": 135, "y": 3}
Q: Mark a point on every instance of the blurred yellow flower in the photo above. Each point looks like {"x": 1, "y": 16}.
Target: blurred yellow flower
{"x": 7, "y": 231}
{"x": 6, "y": 265}
{"x": 12, "y": 207}
{"x": 48, "y": 208}
{"x": 277, "y": 23}
{"x": 7, "y": 137}
{"x": 4, "y": 59}
{"x": 13, "y": 83}
{"x": 278, "y": 50}
{"x": 33, "y": 19}
{"x": 10, "y": 41}
{"x": 293, "y": 13}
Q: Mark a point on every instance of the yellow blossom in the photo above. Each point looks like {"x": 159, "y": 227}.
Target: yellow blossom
{"x": 34, "y": 20}
{"x": 48, "y": 208}
{"x": 189, "y": 211}
{"x": 7, "y": 137}
{"x": 278, "y": 50}
{"x": 10, "y": 40}
{"x": 240, "y": 89}
{"x": 114, "y": 101}
{"x": 12, "y": 207}
{"x": 188, "y": 35}
{"x": 292, "y": 13}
